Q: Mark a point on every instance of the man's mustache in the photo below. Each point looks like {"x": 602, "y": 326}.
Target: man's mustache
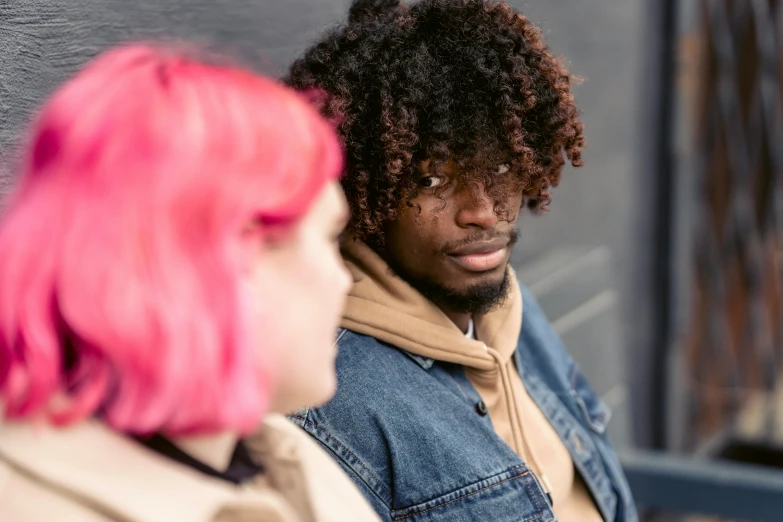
{"x": 512, "y": 236}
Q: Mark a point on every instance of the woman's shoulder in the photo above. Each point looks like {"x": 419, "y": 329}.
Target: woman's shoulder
{"x": 90, "y": 473}
{"x": 280, "y": 442}
{"x": 25, "y": 498}
{"x": 281, "y": 446}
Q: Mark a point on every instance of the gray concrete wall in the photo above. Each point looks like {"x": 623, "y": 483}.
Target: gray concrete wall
{"x": 42, "y": 42}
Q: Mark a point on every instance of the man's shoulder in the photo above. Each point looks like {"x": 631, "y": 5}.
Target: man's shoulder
{"x": 363, "y": 354}
{"x": 349, "y": 340}
{"x": 540, "y": 348}
{"x": 396, "y": 421}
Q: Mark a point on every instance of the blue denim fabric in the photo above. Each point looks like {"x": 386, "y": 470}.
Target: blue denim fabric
{"x": 407, "y": 431}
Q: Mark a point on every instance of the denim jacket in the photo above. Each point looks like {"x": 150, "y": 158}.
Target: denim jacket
{"x": 409, "y": 432}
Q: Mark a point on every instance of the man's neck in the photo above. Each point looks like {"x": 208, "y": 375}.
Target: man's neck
{"x": 462, "y": 320}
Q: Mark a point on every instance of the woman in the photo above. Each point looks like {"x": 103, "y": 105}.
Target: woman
{"x": 170, "y": 279}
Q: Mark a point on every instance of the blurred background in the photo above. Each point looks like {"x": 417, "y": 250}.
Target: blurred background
{"x": 659, "y": 262}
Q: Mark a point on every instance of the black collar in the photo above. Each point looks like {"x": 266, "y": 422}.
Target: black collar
{"x": 240, "y": 469}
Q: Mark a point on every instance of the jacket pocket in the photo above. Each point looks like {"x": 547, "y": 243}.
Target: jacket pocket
{"x": 595, "y": 411}
{"x": 511, "y": 496}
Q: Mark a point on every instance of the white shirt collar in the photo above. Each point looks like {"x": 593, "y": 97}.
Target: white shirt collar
{"x": 471, "y": 333}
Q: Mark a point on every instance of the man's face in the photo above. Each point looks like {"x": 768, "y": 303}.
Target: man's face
{"x": 456, "y": 248}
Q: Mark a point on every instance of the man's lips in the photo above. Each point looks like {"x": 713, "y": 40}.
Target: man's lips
{"x": 481, "y": 256}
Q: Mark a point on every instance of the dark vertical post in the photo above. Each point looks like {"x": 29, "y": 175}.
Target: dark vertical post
{"x": 651, "y": 336}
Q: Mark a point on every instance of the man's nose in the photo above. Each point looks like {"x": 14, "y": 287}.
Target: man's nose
{"x": 475, "y": 208}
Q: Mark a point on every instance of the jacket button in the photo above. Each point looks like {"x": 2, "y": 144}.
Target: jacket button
{"x": 481, "y": 408}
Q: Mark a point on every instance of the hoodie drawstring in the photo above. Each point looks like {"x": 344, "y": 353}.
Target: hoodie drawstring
{"x": 517, "y": 427}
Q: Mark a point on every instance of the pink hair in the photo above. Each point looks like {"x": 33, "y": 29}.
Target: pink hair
{"x": 121, "y": 249}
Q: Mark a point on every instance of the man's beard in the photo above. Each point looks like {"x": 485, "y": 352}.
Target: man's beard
{"x": 477, "y": 299}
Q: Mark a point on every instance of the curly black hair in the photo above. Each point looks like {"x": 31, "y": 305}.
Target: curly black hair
{"x": 463, "y": 81}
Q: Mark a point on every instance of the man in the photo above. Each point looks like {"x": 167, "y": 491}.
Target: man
{"x": 456, "y": 401}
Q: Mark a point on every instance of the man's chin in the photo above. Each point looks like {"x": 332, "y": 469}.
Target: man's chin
{"x": 488, "y": 277}
{"x": 479, "y": 294}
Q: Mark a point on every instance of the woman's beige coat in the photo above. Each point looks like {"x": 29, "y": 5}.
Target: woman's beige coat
{"x": 88, "y": 473}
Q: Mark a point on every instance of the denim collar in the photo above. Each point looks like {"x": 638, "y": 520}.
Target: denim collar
{"x": 424, "y": 362}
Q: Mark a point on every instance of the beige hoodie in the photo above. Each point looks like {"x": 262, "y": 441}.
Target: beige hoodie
{"x": 384, "y": 306}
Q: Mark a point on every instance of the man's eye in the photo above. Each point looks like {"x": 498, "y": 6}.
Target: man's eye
{"x": 432, "y": 181}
